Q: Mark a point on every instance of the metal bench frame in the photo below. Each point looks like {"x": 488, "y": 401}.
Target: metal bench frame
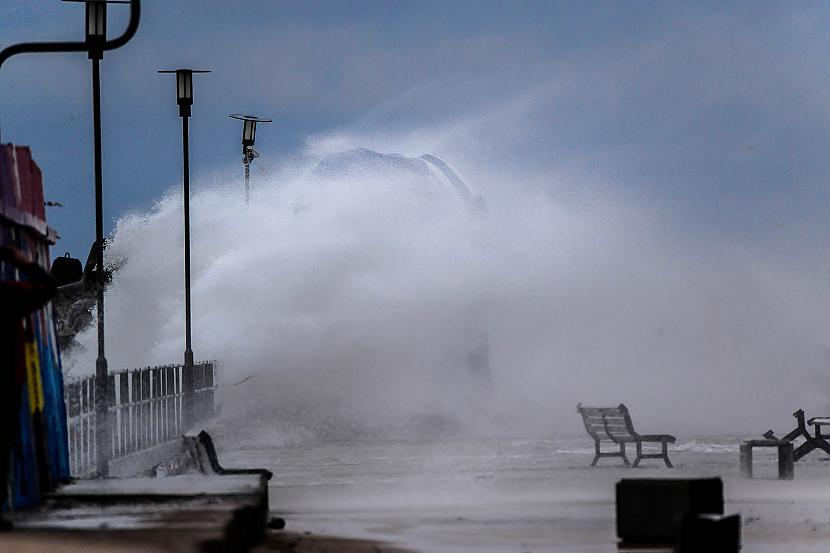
{"x": 819, "y": 441}
{"x": 614, "y": 424}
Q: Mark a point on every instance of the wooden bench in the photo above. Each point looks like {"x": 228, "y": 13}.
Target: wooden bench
{"x": 613, "y": 424}
{"x": 203, "y": 452}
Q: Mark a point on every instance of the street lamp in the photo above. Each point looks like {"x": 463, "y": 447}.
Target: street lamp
{"x": 71, "y": 46}
{"x": 95, "y": 27}
{"x": 96, "y": 42}
{"x": 248, "y": 138}
{"x": 184, "y": 99}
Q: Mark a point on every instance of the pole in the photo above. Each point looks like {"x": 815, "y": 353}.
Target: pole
{"x": 247, "y": 176}
{"x": 102, "y": 435}
{"x": 189, "y": 414}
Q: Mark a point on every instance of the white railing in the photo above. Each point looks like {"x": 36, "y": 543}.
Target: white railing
{"x": 146, "y": 410}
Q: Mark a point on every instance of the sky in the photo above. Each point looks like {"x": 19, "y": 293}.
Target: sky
{"x": 715, "y": 113}
{"x": 656, "y": 174}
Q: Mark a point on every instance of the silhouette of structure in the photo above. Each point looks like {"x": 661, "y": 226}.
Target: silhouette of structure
{"x": 33, "y": 439}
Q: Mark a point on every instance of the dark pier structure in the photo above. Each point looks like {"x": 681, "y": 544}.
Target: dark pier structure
{"x": 128, "y": 419}
{"x": 34, "y": 455}
{"x": 48, "y": 434}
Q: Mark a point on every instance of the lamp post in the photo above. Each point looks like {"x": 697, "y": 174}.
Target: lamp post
{"x": 248, "y": 138}
{"x": 96, "y": 42}
{"x": 55, "y": 47}
{"x": 184, "y": 99}
{"x": 94, "y": 23}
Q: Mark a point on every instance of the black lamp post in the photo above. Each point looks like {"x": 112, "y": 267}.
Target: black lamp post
{"x": 55, "y": 47}
{"x": 248, "y": 138}
{"x": 94, "y": 29}
{"x": 184, "y": 99}
{"x": 96, "y": 41}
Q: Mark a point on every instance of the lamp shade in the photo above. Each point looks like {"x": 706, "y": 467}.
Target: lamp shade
{"x": 248, "y": 132}
{"x": 184, "y": 87}
{"x": 96, "y": 22}
{"x": 249, "y": 127}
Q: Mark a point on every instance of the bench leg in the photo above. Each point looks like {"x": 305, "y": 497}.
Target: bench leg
{"x": 596, "y": 451}
{"x": 785, "y": 461}
{"x": 804, "y": 449}
{"x": 622, "y": 454}
{"x": 639, "y": 453}
{"x": 746, "y": 460}
{"x": 666, "y": 455}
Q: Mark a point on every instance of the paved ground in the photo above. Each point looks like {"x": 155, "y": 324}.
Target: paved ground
{"x": 295, "y": 542}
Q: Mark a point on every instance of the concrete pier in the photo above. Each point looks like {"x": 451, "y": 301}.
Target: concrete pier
{"x": 182, "y": 513}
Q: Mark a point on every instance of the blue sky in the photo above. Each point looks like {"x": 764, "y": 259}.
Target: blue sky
{"x": 716, "y": 114}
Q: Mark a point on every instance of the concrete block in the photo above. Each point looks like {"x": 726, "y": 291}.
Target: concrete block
{"x": 709, "y": 534}
{"x": 650, "y": 510}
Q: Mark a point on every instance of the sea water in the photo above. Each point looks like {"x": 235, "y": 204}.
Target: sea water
{"x": 521, "y": 494}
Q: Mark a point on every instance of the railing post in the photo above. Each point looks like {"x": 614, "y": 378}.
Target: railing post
{"x": 189, "y": 390}
{"x": 156, "y": 404}
{"x": 145, "y": 407}
{"x": 210, "y": 377}
{"x": 170, "y": 401}
{"x": 133, "y": 393}
{"x": 124, "y": 401}
{"x": 198, "y": 385}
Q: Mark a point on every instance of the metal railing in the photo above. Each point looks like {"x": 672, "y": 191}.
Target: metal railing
{"x": 147, "y": 410}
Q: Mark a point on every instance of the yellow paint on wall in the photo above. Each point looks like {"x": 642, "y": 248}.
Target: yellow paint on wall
{"x": 33, "y": 376}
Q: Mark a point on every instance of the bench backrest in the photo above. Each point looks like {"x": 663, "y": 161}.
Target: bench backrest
{"x": 204, "y": 456}
{"x": 607, "y": 423}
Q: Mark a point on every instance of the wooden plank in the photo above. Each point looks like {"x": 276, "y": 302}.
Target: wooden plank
{"x": 620, "y": 430}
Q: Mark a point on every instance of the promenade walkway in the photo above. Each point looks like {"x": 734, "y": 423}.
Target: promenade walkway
{"x": 182, "y": 513}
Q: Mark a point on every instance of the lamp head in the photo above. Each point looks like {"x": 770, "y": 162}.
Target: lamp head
{"x": 96, "y": 24}
{"x": 248, "y": 128}
{"x": 184, "y": 88}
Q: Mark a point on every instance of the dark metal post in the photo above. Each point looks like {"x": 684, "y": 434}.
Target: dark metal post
{"x": 184, "y": 99}
{"x": 247, "y": 179}
{"x": 102, "y": 438}
{"x": 189, "y": 391}
{"x": 95, "y": 44}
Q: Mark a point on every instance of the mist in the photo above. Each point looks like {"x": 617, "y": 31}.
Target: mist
{"x": 353, "y": 300}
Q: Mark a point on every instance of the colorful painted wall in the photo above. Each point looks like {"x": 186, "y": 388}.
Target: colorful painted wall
{"x": 33, "y": 438}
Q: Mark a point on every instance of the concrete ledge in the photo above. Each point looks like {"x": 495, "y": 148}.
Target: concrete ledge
{"x": 220, "y": 513}
{"x": 185, "y": 485}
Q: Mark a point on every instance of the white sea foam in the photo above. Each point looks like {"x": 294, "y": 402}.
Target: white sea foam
{"x": 356, "y": 298}
{"x": 698, "y": 446}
